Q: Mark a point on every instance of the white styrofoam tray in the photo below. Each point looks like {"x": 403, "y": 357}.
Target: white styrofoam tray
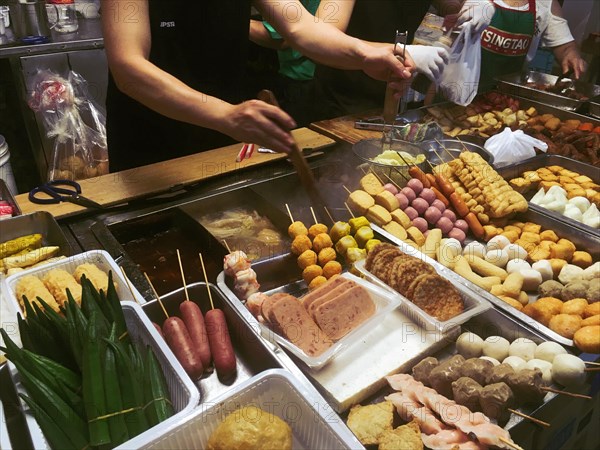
{"x": 314, "y": 425}
{"x": 183, "y": 393}
{"x": 100, "y": 258}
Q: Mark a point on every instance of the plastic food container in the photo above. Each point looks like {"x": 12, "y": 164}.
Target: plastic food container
{"x": 473, "y": 304}
{"x": 384, "y": 303}
{"x": 314, "y": 425}
{"x": 183, "y": 393}
{"x": 98, "y": 257}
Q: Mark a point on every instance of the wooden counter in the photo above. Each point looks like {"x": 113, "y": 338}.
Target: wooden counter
{"x": 342, "y": 128}
{"x": 121, "y": 187}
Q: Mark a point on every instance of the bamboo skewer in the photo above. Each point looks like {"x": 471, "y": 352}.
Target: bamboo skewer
{"x": 437, "y": 154}
{"x": 226, "y": 246}
{"x": 533, "y": 419}
{"x": 570, "y": 394}
{"x": 592, "y": 369}
{"x": 392, "y": 181}
{"x": 399, "y": 172}
{"x": 349, "y": 210}
{"x": 591, "y": 363}
{"x": 329, "y": 215}
{"x": 462, "y": 143}
{"x": 406, "y": 163}
{"x": 129, "y": 284}
{"x": 510, "y": 444}
{"x": 187, "y": 297}
{"x": 312, "y": 211}
{"x": 212, "y": 305}
{"x": 347, "y": 190}
{"x": 156, "y": 295}
{"x": 445, "y": 149}
{"x": 289, "y": 213}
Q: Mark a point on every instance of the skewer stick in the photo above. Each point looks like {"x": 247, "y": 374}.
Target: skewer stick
{"x": 289, "y": 213}
{"x": 347, "y": 190}
{"x": 445, "y": 149}
{"x": 533, "y": 419}
{"x": 226, "y": 246}
{"x": 349, "y": 210}
{"x": 570, "y": 394}
{"x": 392, "y": 181}
{"x": 156, "y": 295}
{"x": 406, "y": 163}
{"x": 510, "y": 443}
{"x": 329, "y": 214}
{"x": 187, "y": 297}
{"x": 462, "y": 143}
{"x": 364, "y": 171}
{"x": 592, "y": 363}
{"x": 438, "y": 155}
{"x": 312, "y": 211}
{"x": 377, "y": 176}
{"x": 212, "y": 305}
{"x": 129, "y": 284}
{"x": 399, "y": 172}
{"x": 592, "y": 369}
{"x": 430, "y": 165}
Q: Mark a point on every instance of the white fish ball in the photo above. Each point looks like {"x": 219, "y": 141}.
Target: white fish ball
{"x": 568, "y": 370}
{"x": 544, "y": 267}
{"x": 523, "y": 348}
{"x": 475, "y": 249}
{"x": 496, "y": 347}
{"x": 515, "y": 251}
{"x": 498, "y": 242}
{"x": 469, "y": 345}
{"x": 544, "y": 366}
{"x": 517, "y": 265}
{"x": 515, "y": 362}
{"x": 548, "y": 351}
{"x": 531, "y": 279}
{"x": 497, "y": 256}
{"x": 494, "y": 361}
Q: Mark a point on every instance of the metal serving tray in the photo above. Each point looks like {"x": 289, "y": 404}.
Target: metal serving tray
{"x": 580, "y": 238}
{"x": 253, "y": 354}
{"x": 513, "y": 84}
{"x": 516, "y": 170}
{"x": 595, "y": 107}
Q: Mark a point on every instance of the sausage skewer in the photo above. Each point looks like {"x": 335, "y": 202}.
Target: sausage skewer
{"x": 218, "y": 336}
{"x": 194, "y": 322}
{"x": 452, "y": 157}
{"x": 179, "y": 341}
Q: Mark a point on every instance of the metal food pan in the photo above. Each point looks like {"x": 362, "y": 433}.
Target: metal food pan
{"x": 594, "y": 106}
{"x": 6, "y": 195}
{"x": 313, "y": 424}
{"x": 38, "y": 222}
{"x": 562, "y": 114}
{"x": 512, "y": 84}
{"x": 545, "y": 160}
{"x": 253, "y": 355}
{"x": 245, "y": 198}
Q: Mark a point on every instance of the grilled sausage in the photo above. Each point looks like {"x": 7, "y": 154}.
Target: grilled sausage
{"x": 459, "y": 205}
{"x": 446, "y": 188}
{"x": 441, "y": 197}
{"x": 417, "y": 173}
{"x": 220, "y": 343}
{"x": 431, "y": 180}
{"x": 474, "y": 225}
{"x": 179, "y": 340}
{"x": 157, "y": 326}
{"x": 194, "y": 322}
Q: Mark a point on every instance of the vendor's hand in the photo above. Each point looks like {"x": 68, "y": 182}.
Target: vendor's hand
{"x": 380, "y": 63}
{"x": 430, "y": 61}
{"x": 478, "y": 13}
{"x": 573, "y": 61}
{"x": 260, "y": 123}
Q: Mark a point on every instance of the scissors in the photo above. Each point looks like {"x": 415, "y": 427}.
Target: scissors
{"x": 58, "y": 191}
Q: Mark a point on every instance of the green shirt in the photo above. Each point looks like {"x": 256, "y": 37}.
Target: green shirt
{"x": 292, "y": 63}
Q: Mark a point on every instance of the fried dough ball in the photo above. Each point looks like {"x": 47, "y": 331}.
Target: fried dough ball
{"x": 300, "y": 244}
{"x": 316, "y": 282}
{"x": 544, "y": 309}
{"x": 575, "y": 306}
{"x": 591, "y": 310}
{"x": 587, "y": 339}
{"x": 332, "y": 268}
{"x": 565, "y": 324}
{"x": 307, "y": 258}
{"x": 322, "y": 241}
{"x": 311, "y": 272}
{"x": 297, "y": 229}
{"x": 592, "y": 320}
{"x": 317, "y": 229}
{"x": 326, "y": 255}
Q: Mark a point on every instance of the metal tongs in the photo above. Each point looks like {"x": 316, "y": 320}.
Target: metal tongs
{"x": 391, "y": 105}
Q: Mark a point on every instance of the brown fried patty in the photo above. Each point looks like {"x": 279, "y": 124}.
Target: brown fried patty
{"x": 437, "y": 297}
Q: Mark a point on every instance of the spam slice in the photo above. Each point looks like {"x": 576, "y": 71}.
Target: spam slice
{"x": 378, "y": 215}
{"x": 342, "y": 314}
{"x": 321, "y": 290}
{"x": 386, "y": 199}
{"x": 338, "y": 290}
{"x": 360, "y": 201}
{"x": 371, "y": 184}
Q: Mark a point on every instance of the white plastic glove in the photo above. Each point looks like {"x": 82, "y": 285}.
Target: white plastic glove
{"x": 478, "y": 12}
{"x": 430, "y": 61}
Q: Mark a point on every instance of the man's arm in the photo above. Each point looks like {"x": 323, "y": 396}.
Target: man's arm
{"x": 128, "y": 43}
{"x": 261, "y": 36}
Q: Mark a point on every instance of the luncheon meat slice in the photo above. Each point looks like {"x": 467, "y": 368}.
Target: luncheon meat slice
{"x": 322, "y": 290}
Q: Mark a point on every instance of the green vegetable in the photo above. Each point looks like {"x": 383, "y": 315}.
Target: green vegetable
{"x": 55, "y": 435}
{"x": 158, "y": 405}
{"x": 114, "y": 404}
{"x": 114, "y": 303}
{"x": 90, "y": 305}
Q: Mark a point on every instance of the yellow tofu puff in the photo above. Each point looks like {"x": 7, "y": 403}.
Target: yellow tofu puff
{"x": 98, "y": 277}
{"x": 57, "y": 281}
{"x": 32, "y": 287}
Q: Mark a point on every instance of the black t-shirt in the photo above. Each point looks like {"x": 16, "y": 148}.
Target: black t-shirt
{"x": 348, "y": 92}
{"x": 204, "y": 44}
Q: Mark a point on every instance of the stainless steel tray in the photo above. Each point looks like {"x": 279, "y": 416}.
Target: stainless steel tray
{"x": 512, "y": 84}
{"x": 580, "y": 238}
{"x": 253, "y": 354}
{"x": 595, "y": 107}
{"x": 516, "y": 170}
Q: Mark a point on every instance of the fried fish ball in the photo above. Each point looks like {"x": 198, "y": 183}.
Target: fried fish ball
{"x": 574, "y": 306}
{"x": 311, "y": 272}
{"x": 332, "y": 268}
{"x": 316, "y": 282}
{"x": 297, "y": 229}
{"x": 544, "y": 309}
{"x": 326, "y": 255}
{"x": 592, "y": 320}
{"x": 565, "y": 324}
{"x": 322, "y": 241}
{"x": 300, "y": 244}
{"x": 591, "y": 310}
{"x": 307, "y": 258}
{"x": 587, "y": 339}
{"x": 582, "y": 259}
{"x": 557, "y": 265}
{"x": 548, "y": 235}
{"x": 317, "y": 229}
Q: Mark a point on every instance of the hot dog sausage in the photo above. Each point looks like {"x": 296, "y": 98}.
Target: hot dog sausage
{"x": 431, "y": 180}
{"x": 446, "y": 188}
{"x": 220, "y": 343}
{"x": 440, "y": 196}
{"x": 194, "y": 322}
{"x": 475, "y": 225}
{"x": 179, "y": 340}
{"x": 417, "y": 173}
{"x": 157, "y": 326}
{"x": 459, "y": 205}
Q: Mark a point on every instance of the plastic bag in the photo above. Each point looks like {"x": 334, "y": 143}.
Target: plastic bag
{"x": 512, "y": 146}
{"x": 460, "y": 79}
{"x": 75, "y": 123}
